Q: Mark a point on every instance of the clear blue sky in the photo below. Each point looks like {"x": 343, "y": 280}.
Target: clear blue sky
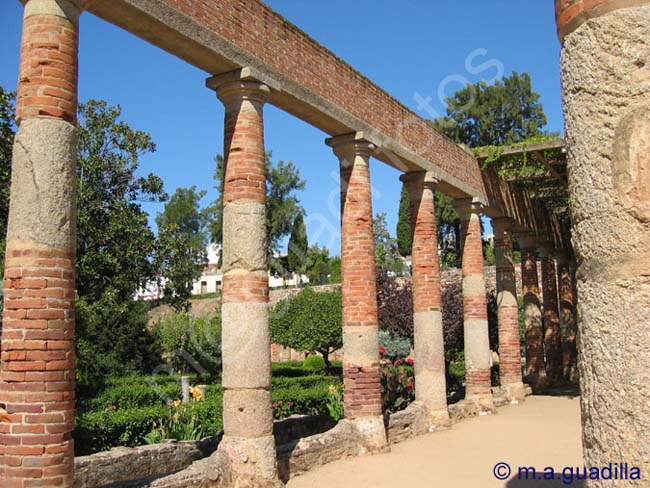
{"x": 413, "y": 49}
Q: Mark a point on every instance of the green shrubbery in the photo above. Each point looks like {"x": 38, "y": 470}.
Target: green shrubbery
{"x": 315, "y": 363}
{"x": 135, "y": 410}
{"x": 394, "y": 347}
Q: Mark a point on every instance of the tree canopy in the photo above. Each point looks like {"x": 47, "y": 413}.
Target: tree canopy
{"x": 282, "y": 204}
{"x": 180, "y": 251}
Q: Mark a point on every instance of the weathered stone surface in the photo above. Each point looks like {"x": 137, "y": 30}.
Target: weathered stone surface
{"x": 125, "y": 464}
{"x": 244, "y": 245}
{"x": 605, "y": 76}
{"x": 247, "y": 413}
{"x": 248, "y": 333}
{"x": 66, "y": 9}
{"x": 253, "y": 461}
{"x": 360, "y": 345}
{"x": 371, "y": 433}
{"x": 411, "y": 422}
{"x": 43, "y": 188}
{"x": 309, "y": 453}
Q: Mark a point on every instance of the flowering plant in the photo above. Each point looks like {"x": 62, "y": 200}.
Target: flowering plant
{"x": 335, "y": 405}
{"x": 397, "y": 385}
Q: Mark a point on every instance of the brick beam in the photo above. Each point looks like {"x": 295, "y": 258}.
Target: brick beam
{"x": 568, "y": 324}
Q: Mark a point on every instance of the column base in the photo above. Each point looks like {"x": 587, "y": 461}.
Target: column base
{"x": 438, "y": 419}
{"x": 484, "y": 403}
{"x": 515, "y": 392}
{"x": 371, "y": 433}
{"x": 253, "y": 461}
{"x": 538, "y": 382}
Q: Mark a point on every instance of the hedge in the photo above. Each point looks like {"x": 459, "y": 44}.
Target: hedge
{"x": 129, "y": 408}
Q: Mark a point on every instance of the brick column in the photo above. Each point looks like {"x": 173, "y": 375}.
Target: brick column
{"x": 247, "y": 413}
{"x": 477, "y": 343}
{"x": 552, "y": 332}
{"x": 535, "y": 364}
{"x": 567, "y": 317}
{"x": 361, "y": 375}
{"x": 507, "y": 311}
{"x": 37, "y": 370}
{"x": 430, "y": 381}
{"x": 605, "y": 63}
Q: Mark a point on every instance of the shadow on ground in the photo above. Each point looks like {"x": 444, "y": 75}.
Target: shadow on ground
{"x": 569, "y": 391}
{"x": 556, "y": 483}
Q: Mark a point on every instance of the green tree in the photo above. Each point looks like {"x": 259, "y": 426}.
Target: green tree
{"x": 298, "y": 247}
{"x": 309, "y": 322}
{"x": 180, "y": 253}
{"x": 318, "y": 265}
{"x": 404, "y": 235}
{"x": 335, "y": 270}
{"x": 7, "y": 133}
{"x": 282, "y": 204}
{"x": 387, "y": 255}
{"x": 114, "y": 244}
{"x": 480, "y": 114}
{"x": 505, "y": 112}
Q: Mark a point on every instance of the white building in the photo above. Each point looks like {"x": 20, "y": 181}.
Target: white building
{"x": 211, "y": 279}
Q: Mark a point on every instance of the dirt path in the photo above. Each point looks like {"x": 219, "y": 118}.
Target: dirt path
{"x": 544, "y": 431}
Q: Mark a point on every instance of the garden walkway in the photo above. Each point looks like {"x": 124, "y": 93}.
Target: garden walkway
{"x": 543, "y": 431}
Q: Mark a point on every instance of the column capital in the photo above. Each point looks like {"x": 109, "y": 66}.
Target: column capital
{"x": 425, "y": 178}
{"x": 237, "y": 86}
{"x": 546, "y": 248}
{"x": 466, "y": 206}
{"x": 66, "y": 9}
{"x": 571, "y": 14}
{"x": 527, "y": 240}
{"x": 502, "y": 224}
{"x": 348, "y": 146}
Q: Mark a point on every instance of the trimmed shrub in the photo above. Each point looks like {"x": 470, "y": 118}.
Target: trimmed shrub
{"x": 315, "y": 363}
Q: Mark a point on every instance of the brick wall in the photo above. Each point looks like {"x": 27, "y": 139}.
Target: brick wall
{"x": 256, "y": 28}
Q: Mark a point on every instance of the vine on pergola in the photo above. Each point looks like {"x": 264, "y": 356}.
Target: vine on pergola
{"x": 537, "y": 166}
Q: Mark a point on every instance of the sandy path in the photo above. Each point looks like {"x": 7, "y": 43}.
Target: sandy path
{"x": 543, "y": 431}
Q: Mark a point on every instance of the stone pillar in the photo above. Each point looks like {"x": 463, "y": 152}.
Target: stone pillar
{"x": 361, "y": 374}
{"x": 478, "y": 384}
{"x": 247, "y": 413}
{"x": 37, "y": 372}
{"x": 507, "y": 311}
{"x": 605, "y": 65}
{"x": 535, "y": 364}
{"x": 567, "y": 317}
{"x": 552, "y": 332}
{"x": 430, "y": 381}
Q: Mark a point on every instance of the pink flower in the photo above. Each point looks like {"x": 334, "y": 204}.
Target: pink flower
{"x": 398, "y": 362}
{"x": 382, "y": 350}
{"x": 409, "y": 361}
{"x": 409, "y": 383}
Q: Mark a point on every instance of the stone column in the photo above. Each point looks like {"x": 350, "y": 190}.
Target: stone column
{"x": 247, "y": 414}
{"x": 430, "y": 381}
{"x": 535, "y": 363}
{"x": 478, "y": 384}
{"x": 605, "y": 67}
{"x": 361, "y": 374}
{"x": 507, "y": 311}
{"x": 37, "y": 372}
{"x": 567, "y": 317}
{"x": 552, "y": 332}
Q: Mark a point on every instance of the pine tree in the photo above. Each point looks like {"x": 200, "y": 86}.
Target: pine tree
{"x": 298, "y": 247}
{"x": 404, "y": 229}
